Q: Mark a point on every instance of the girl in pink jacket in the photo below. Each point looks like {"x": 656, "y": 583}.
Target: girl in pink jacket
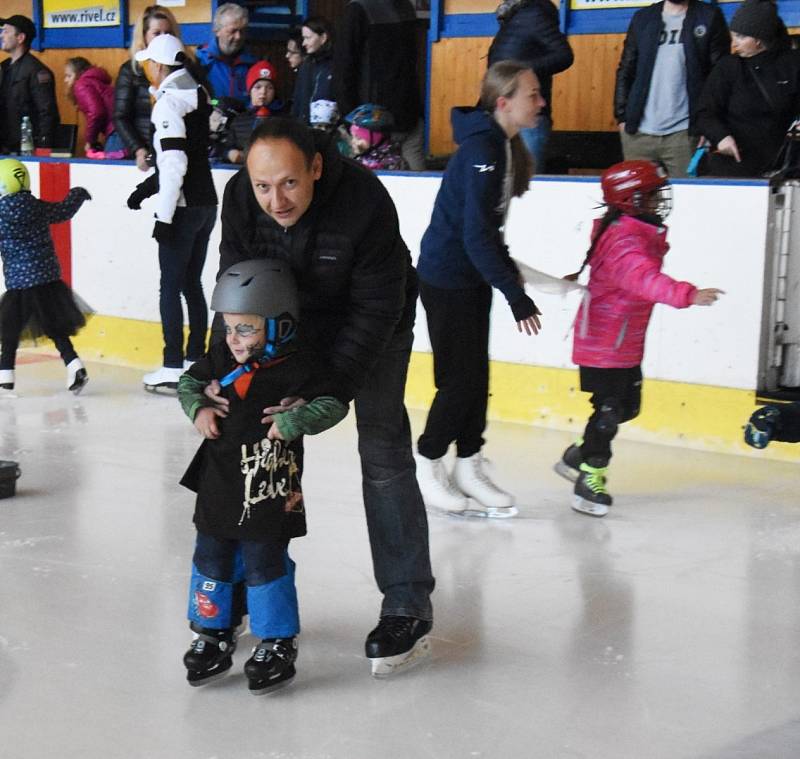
{"x": 626, "y": 255}
{"x": 90, "y": 88}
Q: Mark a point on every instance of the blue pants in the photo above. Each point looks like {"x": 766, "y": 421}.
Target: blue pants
{"x": 221, "y": 569}
{"x": 536, "y": 139}
{"x": 181, "y": 261}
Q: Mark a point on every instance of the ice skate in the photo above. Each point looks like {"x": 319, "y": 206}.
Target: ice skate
{"x": 569, "y": 465}
{"x": 272, "y": 665}
{"x": 590, "y": 494}
{"x": 438, "y": 492}
{"x": 7, "y": 383}
{"x": 76, "y": 376}
{"x": 210, "y": 656}
{"x": 396, "y": 644}
{"x": 487, "y": 500}
{"x": 165, "y": 378}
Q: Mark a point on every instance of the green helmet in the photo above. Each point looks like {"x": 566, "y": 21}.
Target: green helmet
{"x": 13, "y": 177}
{"x": 262, "y": 286}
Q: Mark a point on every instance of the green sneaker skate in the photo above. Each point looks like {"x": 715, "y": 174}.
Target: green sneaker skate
{"x": 590, "y": 494}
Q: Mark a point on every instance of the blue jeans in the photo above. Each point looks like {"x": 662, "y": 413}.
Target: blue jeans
{"x": 181, "y": 261}
{"x": 396, "y": 519}
{"x": 536, "y": 139}
{"x": 224, "y": 572}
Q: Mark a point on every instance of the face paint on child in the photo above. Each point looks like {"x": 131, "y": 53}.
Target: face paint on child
{"x": 245, "y": 335}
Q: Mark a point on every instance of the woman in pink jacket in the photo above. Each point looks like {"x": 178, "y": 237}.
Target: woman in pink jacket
{"x": 626, "y": 255}
{"x": 90, "y": 88}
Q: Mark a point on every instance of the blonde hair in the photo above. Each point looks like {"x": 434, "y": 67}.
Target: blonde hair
{"x": 502, "y": 80}
{"x": 140, "y": 27}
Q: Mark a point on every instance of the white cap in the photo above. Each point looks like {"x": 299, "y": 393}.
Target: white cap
{"x": 163, "y": 49}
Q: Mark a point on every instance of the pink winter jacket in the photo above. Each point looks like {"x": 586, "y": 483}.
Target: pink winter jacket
{"x": 624, "y": 284}
{"x": 94, "y": 95}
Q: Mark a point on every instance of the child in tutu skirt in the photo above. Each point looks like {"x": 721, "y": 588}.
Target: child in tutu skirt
{"x": 37, "y": 302}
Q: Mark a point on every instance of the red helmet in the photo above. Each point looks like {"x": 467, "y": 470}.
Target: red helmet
{"x": 629, "y": 187}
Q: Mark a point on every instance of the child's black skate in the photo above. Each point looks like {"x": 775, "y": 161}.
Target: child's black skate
{"x": 272, "y": 665}
{"x": 569, "y": 466}
{"x": 397, "y": 643}
{"x": 591, "y": 496}
{"x": 210, "y": 656}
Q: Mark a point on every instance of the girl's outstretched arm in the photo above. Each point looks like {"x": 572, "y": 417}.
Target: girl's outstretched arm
{"x": 64, "y": 209}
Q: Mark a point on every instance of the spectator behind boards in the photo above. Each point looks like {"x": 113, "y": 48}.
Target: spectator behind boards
{"x": 669, "y": 51}
{"x": 186, "y": 207}
{"x": 132, "y": 91}
{"x": 314, "y": 102}
{"x": 27, "y": 88}
{"x": 375, "y": 61}
{"x": 529, "y": 33}
{"x": 90, "y": 88}
{"x": 223, "y": 59}
{"x": 751, "y": 97}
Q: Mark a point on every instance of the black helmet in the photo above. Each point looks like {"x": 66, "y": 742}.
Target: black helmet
{"x": 263, "y": 286}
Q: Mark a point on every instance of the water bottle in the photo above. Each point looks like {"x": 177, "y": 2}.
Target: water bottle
{"x": 26, "y": 136}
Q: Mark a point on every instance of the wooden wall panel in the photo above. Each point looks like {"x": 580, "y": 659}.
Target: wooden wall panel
{"x": 582, "y": 95}
{"x": 330, "y": 9}
{"x": 14, "y": 7}
{"x": 470, "y": 6}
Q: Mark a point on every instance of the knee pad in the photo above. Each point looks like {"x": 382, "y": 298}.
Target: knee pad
{"x": 609, "y": 418}
{"x": 210, "y": 601}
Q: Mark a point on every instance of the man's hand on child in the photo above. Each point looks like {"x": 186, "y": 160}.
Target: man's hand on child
{"x": 287, "y": 404}
{"x": 213, "y": 393}
{"x": 206, "y": 422}
{"x": 706, "y": 296}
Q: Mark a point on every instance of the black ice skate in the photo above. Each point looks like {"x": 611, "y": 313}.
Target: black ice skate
{"x": 397, "y": 643}
{"x": 591, "y": 496}
{"x": 210, "y": 656}
{"x": 76, "y": 376}
{"x": 569, "y": 466}
{"x": 272, "y": 665}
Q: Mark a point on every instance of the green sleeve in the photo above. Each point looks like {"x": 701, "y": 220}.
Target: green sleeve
{"x": 319, "y": 415}
{"x": 191, "y": 395}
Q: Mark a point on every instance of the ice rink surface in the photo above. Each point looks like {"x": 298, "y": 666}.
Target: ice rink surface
{"x": 668, "y": 630}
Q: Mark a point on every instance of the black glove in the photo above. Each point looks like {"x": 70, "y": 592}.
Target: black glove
{"x": 136, "y": 197}
{"x": 162, "y": 232}
{"x": 82, "y": 193}
{"x": 524, "y": 308}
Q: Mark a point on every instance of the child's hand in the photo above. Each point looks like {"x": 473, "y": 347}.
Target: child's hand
{"x": 213, "y": 392}
{"x": 82, "y": 192}
{"x": 707, "y": 296}
{"x": 274, "y": 433}
{"x": 206, "y": 422}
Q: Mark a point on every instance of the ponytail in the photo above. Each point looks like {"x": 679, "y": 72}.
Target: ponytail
{"x": 610, "y": 216}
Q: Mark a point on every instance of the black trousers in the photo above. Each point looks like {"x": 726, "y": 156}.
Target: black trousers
{"x": 616, "y": 398}
{"x": 458, "y": 325}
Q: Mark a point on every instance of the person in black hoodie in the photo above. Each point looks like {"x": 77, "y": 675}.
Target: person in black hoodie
{"x": 375, "y": 61}
{"x": 298, "y": 200}
{"x": 753, "y": 96}
{"x": 529, "y": 32}
{"x": 314, "y": 102}
{"x": 463, "y": 256}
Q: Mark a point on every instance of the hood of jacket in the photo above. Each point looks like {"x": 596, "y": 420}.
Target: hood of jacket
{"x": 95, "y": 75}
{"x": 182, "y": 88}
{"x": 468, "y": 122}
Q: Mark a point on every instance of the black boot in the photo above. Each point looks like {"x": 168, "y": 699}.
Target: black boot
{"x": 210, "y": 656}
{"x": 397, "y": 642}
{"x": 271, "y": 665}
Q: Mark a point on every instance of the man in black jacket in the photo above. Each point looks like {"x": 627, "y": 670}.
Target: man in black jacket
{"x": 335, "y": 223}
{"x": 26, "y": 88}
{"x": 375, "y": 61}
{"x": 529, "y": 33}
{"x": 669, "y": 50}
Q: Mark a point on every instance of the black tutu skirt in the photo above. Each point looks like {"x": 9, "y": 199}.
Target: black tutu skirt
{"x": 50, "y": 310}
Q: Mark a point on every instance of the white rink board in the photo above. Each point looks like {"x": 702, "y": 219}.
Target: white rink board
{"x": 717, "y": 232}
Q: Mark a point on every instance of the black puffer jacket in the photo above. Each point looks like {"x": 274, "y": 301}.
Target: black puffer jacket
{"x": 705, "y": 40}
{"x": 357, "y": 286}
{"x": 531, "y": 35}
{"x": 314, "y": 82}
{"x": 132, "y": 109}
{"x": 754, "y": 100}
{"x": 31, "y": 92}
